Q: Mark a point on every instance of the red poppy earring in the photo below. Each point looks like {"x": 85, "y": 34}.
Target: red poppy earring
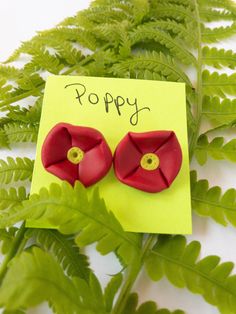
{"x": 76, "y": 153}
{"x": 148, "y": 161}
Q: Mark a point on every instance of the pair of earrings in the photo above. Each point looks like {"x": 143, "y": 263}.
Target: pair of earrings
{"x": 147, "y": 161}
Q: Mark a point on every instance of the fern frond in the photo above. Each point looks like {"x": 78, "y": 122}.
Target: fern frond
{"x": 18, "y": 132}
{"x": 155, "y": 63}
{"x": 219, "y": 58}
{"x": 64, "y": 249}
{"x": 149, "y": 307}
{"x": 219, "y": 112}
{"x": 176, "y": 48}
{"x": 181, "y": 31}
{"x": 171, "y": 256}
{"x": 173, "y": 11}
{"x": 30, "y": 115}
{"x": 215, "y": 149}
{"x": 111, "y": 290}
{"x": 3, "y": 138}
{"x": 68, "y": 209}
{"x": 220, "y": 4}
{"x": 12, "y": 197}
{"x": 6, "y": 238}
{"x": 210, "y": 202}
{"x": 38, "y": 271}
{"x": 213, "y": 35}
{"x": 13, "y": 170}
{"x": 218, "y": 84}
{"x": 212, "y": 15}
{"x": 9, "y": 72}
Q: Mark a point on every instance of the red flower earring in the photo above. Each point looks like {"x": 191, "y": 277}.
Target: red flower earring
{"x": 76, "y": 153}
{"x": 148, "y": 161}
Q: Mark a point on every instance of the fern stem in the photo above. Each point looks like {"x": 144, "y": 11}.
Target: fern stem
{"x": 16, "y": 247}
{"x": 39, "y": 88}
{"x": 133, "y": 271}
{"x": 199, "y": 84}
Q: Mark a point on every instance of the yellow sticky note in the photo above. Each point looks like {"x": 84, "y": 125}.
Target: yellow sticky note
{"x": 148, "y": 106}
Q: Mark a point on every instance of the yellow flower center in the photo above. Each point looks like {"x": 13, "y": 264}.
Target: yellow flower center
{"x": 149, "y": 162}
{"x": 75, "y": 155}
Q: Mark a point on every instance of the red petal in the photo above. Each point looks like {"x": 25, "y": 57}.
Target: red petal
{"x": 127, "y": 158}
{"x": 149, "y": 142}
{"x": 65, "y": 170}
{"x": 170, "y": 156}
{"x": 95, "y": 164}
{"x": 56, "y": 145}
{"x": 148, "y": 181}
{"x": 84, "y": 137}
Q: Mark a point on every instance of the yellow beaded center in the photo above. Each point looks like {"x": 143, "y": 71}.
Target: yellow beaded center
{"x": 149, "y": 162}
{"x": 75, "y": 155}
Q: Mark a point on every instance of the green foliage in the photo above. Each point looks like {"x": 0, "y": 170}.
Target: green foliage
{"x": 6, "y": 238}
{"x": 150, "y": 66}
{"x": 63, "y": 248}
{"x": 217, "y": 149}
{"x": 219, "y": 84}
{"x": 219, "y": 58}
{"x": 158, "y": 40}
{"x": 179, "y": 262}
{"x": 13, "y": 170}
{"x": 70, "y": 210}
{"x": 219, "y": 112}
{"x": 38, "y": 271}
{"x": 12, "y": 197}
{"x": 148, "y": 307}
{"x": 176, "y": 47}
{"x": 210, "y": 202}
{"x": 18, "y": 132}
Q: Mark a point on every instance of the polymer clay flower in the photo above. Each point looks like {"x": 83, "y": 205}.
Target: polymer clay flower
{"x": 76, "y": 153}
{"x": 148, "y": 161}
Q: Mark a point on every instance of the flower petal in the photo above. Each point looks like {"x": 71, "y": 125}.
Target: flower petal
{"x": 148, "y": 181}
{"x": 127, "y": 158}
{"x": 95, "y": 164}
{"x": 148, "y": 142}
{"x": 170, "y": 156}
{"x": 64, "y": 170}
{"x": 84, "y": 137}
{"x": 56, "y": 145}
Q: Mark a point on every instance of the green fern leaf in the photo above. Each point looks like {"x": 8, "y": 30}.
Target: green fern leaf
{"x": 13, "y": 170}
{"x": 176, "y": 48}
{"x": 6, "y": 238}
{"x": 156, "y": 63}
{"x": 216, "y": 149}
{"x": 210, "y": 202}
{"x": 219, "y": 58}
{"x": 180, "y": 31}
{"x": 111, "y": 290}
{"x": 218, "y": 84}
{"x": 38, "y": 271}
{"x": 220, "y": 4}
{"x": 178, "y": 261}
{"x": 9, "y": 72}
{"x": 173, "y": 11}
{"x": 213, "y": 35}
{"x": 64, "y": 250}
{"x": 3, "y": 138}
{"x": 12, "y": 197}
{"x": 69, "y": 209}
{"x": 219, "y": 112}
{"x": 148, "y": 307}
{"x": 212, "y": 15}
{"x": 30, "y": 115}
{"x": 18, "y": 132}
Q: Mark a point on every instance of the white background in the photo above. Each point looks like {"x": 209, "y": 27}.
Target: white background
{"x": 19, "y": 20}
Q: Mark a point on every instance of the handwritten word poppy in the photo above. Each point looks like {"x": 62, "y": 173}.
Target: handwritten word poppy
{"x": 148, "y": 161}
{"x": 76, "y": 153}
